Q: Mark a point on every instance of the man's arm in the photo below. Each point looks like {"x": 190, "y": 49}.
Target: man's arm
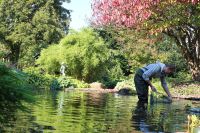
{"x": 151, "y": 85}
{"x": 165, "y": 87}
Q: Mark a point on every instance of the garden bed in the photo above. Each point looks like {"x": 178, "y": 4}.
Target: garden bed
{"x": 187, "y": 90}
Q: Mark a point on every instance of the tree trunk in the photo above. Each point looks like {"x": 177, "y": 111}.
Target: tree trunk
{"x": 188, "y": 40}
{"x": 195, "y": 70}
{"x": 192, "y": 61}
{"x": 14, "y": 57}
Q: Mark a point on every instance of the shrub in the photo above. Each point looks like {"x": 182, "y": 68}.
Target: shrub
{"x": 109, "y": 82}
{"x": 64, "y": 82}
{"x": 49, "y": 61}
{"x": 67, "y": 82}
{"x": 86, "y": 55}
{"x": 13, "y": 86}
{"x": 37, "y": 79}
{"x": 78, "y": 83}
{"x": 125, "y": 84}
{"x": 193, "y": 122}
{"x": 182, "y": 76}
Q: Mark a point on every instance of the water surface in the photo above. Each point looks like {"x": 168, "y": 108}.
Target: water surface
{"x": 80, "y": 112}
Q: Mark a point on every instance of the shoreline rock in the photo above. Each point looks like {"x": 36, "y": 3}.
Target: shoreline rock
{"x": 195, "y": 110}
{"x": 125, "y": 91}
{"x": 97, "y": 90}
{"x": 187, "y": 98}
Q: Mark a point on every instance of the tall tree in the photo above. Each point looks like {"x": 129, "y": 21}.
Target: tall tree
{"x": 178, "y": 19}
{"x": 27, "y": 26}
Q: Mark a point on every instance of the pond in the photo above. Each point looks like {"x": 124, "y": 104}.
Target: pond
{"x": 81, "y": 112}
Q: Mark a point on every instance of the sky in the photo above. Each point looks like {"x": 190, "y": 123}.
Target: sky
{"x": 81, "y": 10}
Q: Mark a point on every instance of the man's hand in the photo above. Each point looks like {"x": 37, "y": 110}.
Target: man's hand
{"x": 153, "y": 89}
{"x": 151, "y": 85}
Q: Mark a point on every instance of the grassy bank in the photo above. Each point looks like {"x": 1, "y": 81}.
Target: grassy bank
{"x": 187, "y": 90}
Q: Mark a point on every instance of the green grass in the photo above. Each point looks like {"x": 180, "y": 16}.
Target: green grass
{"x": 189, "y": 88}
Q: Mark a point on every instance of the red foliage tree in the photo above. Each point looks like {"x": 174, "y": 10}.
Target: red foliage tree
{"x": 176, "y": 18}
{"x": 128, "y": 13}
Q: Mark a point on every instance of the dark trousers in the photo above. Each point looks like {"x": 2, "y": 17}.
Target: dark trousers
{"x": 141, "y": 86}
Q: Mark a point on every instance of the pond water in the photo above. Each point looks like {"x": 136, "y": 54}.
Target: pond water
{"x": 81, "y": 112}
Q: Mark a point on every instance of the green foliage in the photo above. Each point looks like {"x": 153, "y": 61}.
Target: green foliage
{"x": 64, "y": 82}
{"x": 140, "y": 49}
{"x": 37, "y": 79}
{"x": 168, "y": 52}
{"x": 128, "y": 84}
{"x": 67, "y": 82}
{"x": 78, "y": 83}
{"x": 27, "y": 26}
{"x": 157, "y": 84}
{"x": 193, "y": 122}
{"x": 87, "y": 57}
{"x": 109, "y": 82}
{"x": 157, "y": 97}
{"x": 49, "y": 60}
{"x": 186, "y": 89}
{"x": 179, "y": 20}
{"x": 114, "y": 75}
{"x": 140, "y": 52}
{"x": 55, "y": 85}
{"x": 182, "y": 76}
{"x": 117, "y": 54}
{"x": 3, "y": 51}
{"x": 13, "y": 87}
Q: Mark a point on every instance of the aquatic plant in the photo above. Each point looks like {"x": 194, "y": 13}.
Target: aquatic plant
{"x": 157, "y": 97}
{"x": 193, "y": 122}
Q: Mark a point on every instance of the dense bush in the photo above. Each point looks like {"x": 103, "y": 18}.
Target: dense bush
{"x": 168, "y": 52}
{"x": 37, "y": 79}
{"x": 13, "y": 86}
{"x": 45, "y": 81}
{"x": 113, "y": 76}
{"x": 63, "y": 82}
{"x": 85, "y": 54}
{"x": 181, "y": 76}
{"x": 140, "y": 52}
{"x": 128, "y": 84}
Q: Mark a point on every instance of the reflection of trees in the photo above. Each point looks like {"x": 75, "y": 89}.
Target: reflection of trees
{"x": 10, "y": 109}
{"x": 75, "y": 112}
{"x": 7, "y": 113}
{"x": 81, "y": 112}
{"x": 15, "y": 117}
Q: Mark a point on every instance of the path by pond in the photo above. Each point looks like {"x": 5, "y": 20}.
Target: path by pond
{"x": 83, "y": 112}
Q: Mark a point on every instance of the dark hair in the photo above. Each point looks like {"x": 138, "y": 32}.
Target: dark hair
{"x": 172, "y": 67}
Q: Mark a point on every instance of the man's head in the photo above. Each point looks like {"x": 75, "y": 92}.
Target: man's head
{"x": 169, "y": 69}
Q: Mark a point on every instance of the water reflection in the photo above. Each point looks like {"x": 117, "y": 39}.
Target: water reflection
{"x": 78, "y": 112}
{"x": 139, "y": 117}
{"x": 160, "y": 117}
